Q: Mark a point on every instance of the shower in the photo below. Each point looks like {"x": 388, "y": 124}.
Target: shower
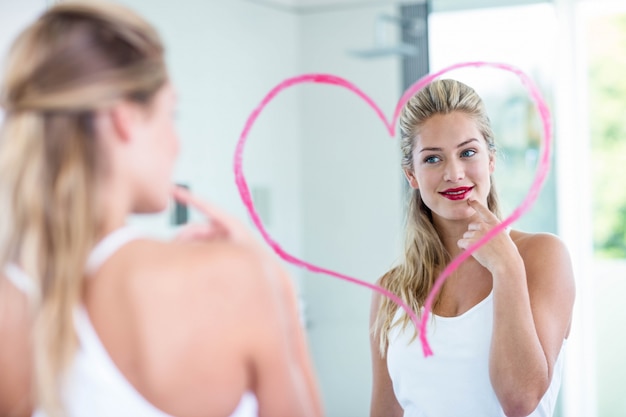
{"x": 385, "y": 44}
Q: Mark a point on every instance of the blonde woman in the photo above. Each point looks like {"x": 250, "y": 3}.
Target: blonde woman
{"x": 501, "y": 321}
{"x": 96, "y": 320}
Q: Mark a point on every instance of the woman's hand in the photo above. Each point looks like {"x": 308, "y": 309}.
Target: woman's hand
{"x": 221, "y": 225}
{"x": 499, "y": 250}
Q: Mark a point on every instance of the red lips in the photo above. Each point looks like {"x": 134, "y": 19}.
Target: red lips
{"x": 455, "y": 194}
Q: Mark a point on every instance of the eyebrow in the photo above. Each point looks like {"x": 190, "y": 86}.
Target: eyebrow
{"x": 460, "y": 145}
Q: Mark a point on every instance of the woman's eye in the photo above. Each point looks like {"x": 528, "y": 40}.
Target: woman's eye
{"x": 431, "y": 159}
{"x": 467, "y": 153}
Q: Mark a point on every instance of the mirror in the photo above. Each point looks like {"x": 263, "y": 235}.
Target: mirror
{"x": 325, "y": 174}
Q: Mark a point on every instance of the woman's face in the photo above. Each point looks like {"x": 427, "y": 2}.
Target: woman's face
{"x": 451, "y": 164}
{"x": 158, "y": 148}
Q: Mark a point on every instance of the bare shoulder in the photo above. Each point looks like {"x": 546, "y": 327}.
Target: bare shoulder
{"x": 541, "y": 248}
{"x": 189, "y": 290}
{"x": 202, "y": 271}
{"x": 521, "y": 238}
{"x": 196, "y": 311}
{"x": 377, "y": 297}
{"x": 547, "y": 261}
{"x": 160, "y": 287}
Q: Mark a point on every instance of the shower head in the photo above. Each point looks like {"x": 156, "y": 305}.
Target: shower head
{"x": 382, "y": 51}
{"x": 382, "y": 46}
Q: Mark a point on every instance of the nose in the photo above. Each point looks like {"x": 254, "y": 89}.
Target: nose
{"x": 453, "y": 171}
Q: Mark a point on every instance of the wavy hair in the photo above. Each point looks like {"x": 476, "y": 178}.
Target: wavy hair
{"x": 424, "y": 253}
{"x": 75, "y": 60}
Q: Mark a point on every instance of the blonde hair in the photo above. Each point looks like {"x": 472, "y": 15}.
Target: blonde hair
{"x": 424, "y": 253}
{"x": 77, "y": 58}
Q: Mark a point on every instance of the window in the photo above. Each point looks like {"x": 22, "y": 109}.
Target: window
{"x": 604, "y": 26}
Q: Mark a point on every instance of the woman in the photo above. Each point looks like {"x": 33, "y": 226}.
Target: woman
{"x": 96, "y": 320}
{"x": 501, "y": 320}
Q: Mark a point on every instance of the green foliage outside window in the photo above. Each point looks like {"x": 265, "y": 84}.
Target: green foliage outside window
{"x": 607, "y": 107}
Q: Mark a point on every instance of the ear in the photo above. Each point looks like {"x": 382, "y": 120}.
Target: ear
{"x": 492, "y": 163}
{"x": 410, "y": 177}
{"x": 123, "y": 117}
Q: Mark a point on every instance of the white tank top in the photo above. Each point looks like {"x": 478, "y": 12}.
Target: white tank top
{"x": 455, "y": 381}
{"x": 94, "y": 386}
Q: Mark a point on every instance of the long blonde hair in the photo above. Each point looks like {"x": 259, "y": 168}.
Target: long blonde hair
{"x": 424, "y": 253}
{"x": 77, "y": 58}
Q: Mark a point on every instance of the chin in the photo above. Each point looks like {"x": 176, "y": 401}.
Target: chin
{"x": 456, "y": 215}
{"x": 152, "y": 207}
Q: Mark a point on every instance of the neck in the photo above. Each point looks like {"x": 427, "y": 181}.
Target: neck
{"x": 450, "y": 231}
{"x": 114, "y": 204}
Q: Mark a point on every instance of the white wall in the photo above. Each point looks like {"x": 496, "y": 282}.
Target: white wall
{"x": 351, "y": 199}
{"x": 224, "y": 56}
{"x": 14, "y": 17}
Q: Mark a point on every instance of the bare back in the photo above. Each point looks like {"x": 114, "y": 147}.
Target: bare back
{"x": 191, "y": 326}
{"x": 15, "y": 351}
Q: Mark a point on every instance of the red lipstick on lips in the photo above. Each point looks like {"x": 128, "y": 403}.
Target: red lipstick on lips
{"x": 456, "y": 194}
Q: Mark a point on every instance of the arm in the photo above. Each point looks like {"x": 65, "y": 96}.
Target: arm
{"x": 284, "y": 381}
{"x": 532, "y": 313}
{"x": 533, "y": 289}
{"x": 384, "y": 402}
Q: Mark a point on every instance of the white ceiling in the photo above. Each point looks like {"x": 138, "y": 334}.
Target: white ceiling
{"x": 317, "y": 3}
{"x": 312, "y": 5}
{"x": 436, "y": 5}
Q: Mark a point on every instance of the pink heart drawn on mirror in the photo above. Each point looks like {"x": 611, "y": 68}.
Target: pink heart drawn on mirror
{"x": 542, "y": 170}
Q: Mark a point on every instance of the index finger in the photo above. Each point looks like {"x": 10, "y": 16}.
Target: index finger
{"x": 482, "y": 210}
{"x": 184, "y": 196}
